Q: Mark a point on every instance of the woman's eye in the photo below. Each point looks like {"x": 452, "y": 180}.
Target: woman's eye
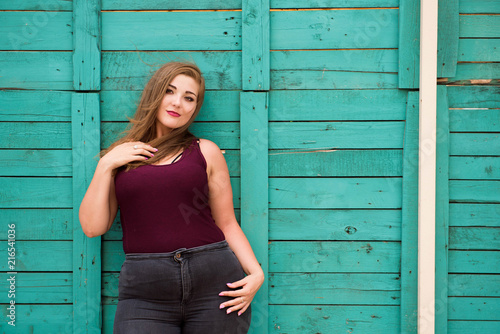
{"x": 190, "y": 99}
{"x": 169, "y": 91}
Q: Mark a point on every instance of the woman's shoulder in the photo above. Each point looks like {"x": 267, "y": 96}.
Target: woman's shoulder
{"x": 208, "y": 145}
{"x": 212, "y": 153}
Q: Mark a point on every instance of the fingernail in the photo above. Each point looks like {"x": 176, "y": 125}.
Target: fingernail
{"x": 152, "y": 155}
{"x": 156, "y": 150}
{"x": 239, "y": 313}
{"x": 221, "y": 294}
{"x": 147, "y": 158}
{"x": 229, "y": 283}
{"x": 221, "y": 306}
{"x": 228, "y": 311}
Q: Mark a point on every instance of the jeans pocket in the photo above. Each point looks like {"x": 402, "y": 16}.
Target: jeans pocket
{"x": 238, "y": 264}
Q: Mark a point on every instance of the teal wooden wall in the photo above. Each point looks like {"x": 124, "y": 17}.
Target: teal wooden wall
{"x": 468, "y": 182}
{"x": 315, "y": 101}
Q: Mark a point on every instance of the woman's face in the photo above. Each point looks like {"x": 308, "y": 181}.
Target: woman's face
{"x": 178, "y": 104}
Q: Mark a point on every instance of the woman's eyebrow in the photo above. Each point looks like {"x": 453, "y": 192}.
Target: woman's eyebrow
{"x": 189, "y": 92}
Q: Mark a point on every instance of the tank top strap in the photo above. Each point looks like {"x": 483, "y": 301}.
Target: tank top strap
{"x": 200, "y": 154}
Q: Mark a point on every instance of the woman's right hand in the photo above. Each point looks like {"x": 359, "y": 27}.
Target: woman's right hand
{"x": 127, "y": 152}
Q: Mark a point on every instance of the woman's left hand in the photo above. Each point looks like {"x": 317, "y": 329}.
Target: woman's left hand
{"x": 243, "y": 297}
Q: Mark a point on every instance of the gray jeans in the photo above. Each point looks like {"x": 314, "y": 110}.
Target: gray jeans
{"x": 178, "y": 292}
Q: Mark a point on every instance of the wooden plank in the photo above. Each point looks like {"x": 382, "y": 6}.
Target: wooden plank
{"x": 288, "y": 79}
{"x": 87, "y": 45}
{"x": 33, "y": 223}
{"x": 328, "y": 224}
{"x": 474, "y": 191}
{"x": 474, "y": 285}
{"x": 168, "y": 5}
{"x": 336, "y": 60}
{"x": 85, "y": 128}
{"x": 36, "y": 288}
{"x": 131, "y": 70}
{"x": 326, "y": 288}
{"x": 478, "y": 49}
{"x": 383, "y": 104}
{"x": 317, "y": 163}
{"x": 409, "y": 218}
{"x": 380, "y": 193}
{"x": 112, "y": 259}
{"x": 381, "y": 225}
{"x": 217, "y": 106}
{"x": 255, "y": 52}
{"x": 39, "y": 106}
{"x": 474, "y": 262}
{"x": 473, "y": 96}
{"x": 225, "y": 134}
{"x": 379, "y": 319}
{"x": 15, "y": 162}
{"x": 331, "y": 4}
{"x": 254, "y": 195}
{"x": 345, "y": 135}
{"x": 45, "y": 318}
{"x": 475, "y": 120}
{"x": 460, "y": 261}
{"x": 409, "y": 43}
{"x": 48, "y": 5}
{"x": 357, "y": 319}
{"x": 35, "y": 31}
{"x": 474, "y": 144}
{"x": 474, "y": 214}
{"x": 36, "y": 70}
{"x": 59, "y": 253}
{"x": 442, "y": 220}
{"x": 334, "y": 256}
{"x": 470, "y": 308}
{"x": 477, "y": 168}
{"x": 334, "y": 29}
{"x": 447, "y": 56}
{"x": 475, "y": 73}
{"x": 336, "y": 135}
{"x": 479, "y": 6}
{"x": 35, "y": 192}
{"x": 36, "y": 163}
{"x": 475, "y": 238}
{"x": 108, "y": 318}
{"x": 479, "y": 26}
{"x": 458, "y": 327}
{"x": 207, "y": 30}
{"x": 24, "y": 135}
{"x": 110, "y": 292}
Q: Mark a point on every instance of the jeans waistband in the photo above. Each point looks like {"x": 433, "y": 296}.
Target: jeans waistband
{"x": 183, "y": 251}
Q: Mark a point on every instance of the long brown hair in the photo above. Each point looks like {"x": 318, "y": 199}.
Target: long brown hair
{"x": 143, "y": 123}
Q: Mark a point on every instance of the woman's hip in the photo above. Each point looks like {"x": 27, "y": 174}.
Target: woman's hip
{"x": 180, "y": 275}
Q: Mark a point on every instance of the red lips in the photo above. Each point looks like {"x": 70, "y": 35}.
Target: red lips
{"x": 173, "y": 113}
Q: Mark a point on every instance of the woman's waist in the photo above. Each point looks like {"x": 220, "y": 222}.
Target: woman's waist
{"x": 180, "y": 251}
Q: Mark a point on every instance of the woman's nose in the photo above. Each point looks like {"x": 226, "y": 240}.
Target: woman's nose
{"x": 177, "y": 100}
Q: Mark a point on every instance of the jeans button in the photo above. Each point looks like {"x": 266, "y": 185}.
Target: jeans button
{"x": 178, "y": 255}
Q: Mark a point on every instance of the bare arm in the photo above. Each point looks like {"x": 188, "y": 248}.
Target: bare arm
{"x": 221, "y": 206}
{"x": 99, "y": 205}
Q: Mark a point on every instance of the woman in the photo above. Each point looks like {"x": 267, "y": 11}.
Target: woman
{"x": 185, "y": 255}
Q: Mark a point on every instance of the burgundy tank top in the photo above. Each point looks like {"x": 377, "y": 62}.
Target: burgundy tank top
{"x": 165, "y": 207}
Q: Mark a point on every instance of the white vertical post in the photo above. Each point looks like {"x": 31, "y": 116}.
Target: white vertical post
{"x": 427, "y": 166}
